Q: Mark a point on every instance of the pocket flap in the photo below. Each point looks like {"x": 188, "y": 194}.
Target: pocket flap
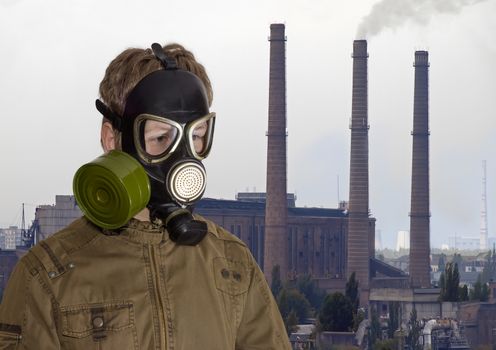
{"x": 83, "y": 320}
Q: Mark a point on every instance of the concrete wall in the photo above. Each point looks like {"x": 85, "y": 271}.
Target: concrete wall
{"x": 479, "y": 322}
{"x": 53, "y": 218}
{"x": 326, "y": 340}
{"x": 425, "y": 302}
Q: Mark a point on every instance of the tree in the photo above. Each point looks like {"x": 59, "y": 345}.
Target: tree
{"x": 394, "y": 318}
{"x": 311, "y": 291}
{"x": 276, "y": 284}
{"x": 449, "y": 283}
{"x": 489, "y": 271}
{"x": 291, "y": 322}
{"x": 455, "y": 284}
{"x": 476, "y": 292}
{"x": 457, "y": 259}
{"x": 353, "y": 295}
{"x": 442, "y": 286}
{"x": 484, "y": 292}
{"x": 412, "y": 339}
{"x": 375, "y": 328}
{"x": 358, "y": 317}
{"x": 291, "y": 299}
{"x": 352, "y": 291}
{"x": 480, "y": 291}
{"x": 336, "y": 313}
{"x": 442, "y": 262}
{"x": 463, "y": 293}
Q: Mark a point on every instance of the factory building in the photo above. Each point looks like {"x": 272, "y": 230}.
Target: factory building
{"x": 314, "y": 243}
{"x": 52, "y": 218}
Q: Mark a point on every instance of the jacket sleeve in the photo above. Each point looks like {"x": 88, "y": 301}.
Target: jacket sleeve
{"x": 26, "y": 311}
{"x": 261, "y": 325}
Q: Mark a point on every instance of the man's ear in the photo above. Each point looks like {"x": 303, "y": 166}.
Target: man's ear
{"x": 107, "y": 137}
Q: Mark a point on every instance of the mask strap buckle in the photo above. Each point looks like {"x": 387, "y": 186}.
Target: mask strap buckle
{"x": 167, "y": 62}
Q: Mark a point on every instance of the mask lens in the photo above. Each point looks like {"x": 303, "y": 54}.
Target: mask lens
{"x": 201, "y": 135}
{"x": 157, "y": 137}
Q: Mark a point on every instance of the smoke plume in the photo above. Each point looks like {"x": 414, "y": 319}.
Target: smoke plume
{"x": 394, "y": 13}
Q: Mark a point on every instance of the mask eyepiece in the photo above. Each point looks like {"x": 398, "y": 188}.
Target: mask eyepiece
{"x": 156, "y": 138}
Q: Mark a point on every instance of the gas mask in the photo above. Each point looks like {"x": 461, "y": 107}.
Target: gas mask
{"x": 167, "y": 128}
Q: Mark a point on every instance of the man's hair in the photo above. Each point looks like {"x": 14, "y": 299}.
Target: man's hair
{"x": 132, "y": 65}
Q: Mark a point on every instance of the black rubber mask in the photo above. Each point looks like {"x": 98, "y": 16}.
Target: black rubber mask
{"x": 168, "y": 128}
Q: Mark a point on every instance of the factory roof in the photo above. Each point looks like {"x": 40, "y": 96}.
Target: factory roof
{"x": 226, "y": 204}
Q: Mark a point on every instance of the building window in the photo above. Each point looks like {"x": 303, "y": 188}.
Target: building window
{"x": 305, "y": 251}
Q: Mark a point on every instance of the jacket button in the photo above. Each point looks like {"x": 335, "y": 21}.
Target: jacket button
{"x": 237, "y": 276}
{"x": 98, "y": 322}
{"x": 225, "y": 273}
{"x": 52, "y": 274}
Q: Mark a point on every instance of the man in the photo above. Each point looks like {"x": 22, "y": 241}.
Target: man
{"x": 165, "y": 279}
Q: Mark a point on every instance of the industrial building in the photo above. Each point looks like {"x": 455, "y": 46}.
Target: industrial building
{"x": 8, "y": 259}
{"x": 10, "y": 238}
{"x": 315, "y": 242}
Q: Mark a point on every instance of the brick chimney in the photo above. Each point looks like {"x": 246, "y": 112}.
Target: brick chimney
{"x": 276, "y": 205}
{"x": 358, "y": 212}
{"x": 419, "y": 212}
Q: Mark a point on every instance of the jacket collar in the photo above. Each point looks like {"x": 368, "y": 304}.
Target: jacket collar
{"x": 144, "y": 232}
{"x": 147, "y": 232}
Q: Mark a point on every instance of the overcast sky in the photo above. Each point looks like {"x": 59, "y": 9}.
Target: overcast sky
{"x": 54, "y": 54}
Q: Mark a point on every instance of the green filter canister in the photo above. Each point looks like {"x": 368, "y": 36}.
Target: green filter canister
{"x": 111, "y": 189}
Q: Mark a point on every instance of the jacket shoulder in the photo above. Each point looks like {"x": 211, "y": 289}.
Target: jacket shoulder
{"x": 220, "y": 232}
{"x": 76, "y": 234}
{"x": 53, "y": 253}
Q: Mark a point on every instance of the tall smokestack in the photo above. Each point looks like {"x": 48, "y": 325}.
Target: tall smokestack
{"x": 419, "y": 213}
{"x": 276, "y": 205}
{"x": 483, "y": 228}
{"x": 358, "y": 212}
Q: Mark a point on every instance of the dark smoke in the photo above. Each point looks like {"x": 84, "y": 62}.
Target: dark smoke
{"x": 394, "y": 13}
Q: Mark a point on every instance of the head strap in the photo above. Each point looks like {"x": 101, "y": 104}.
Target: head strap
{"x": 167, "y": 62}
{"x": 114, "y": 118}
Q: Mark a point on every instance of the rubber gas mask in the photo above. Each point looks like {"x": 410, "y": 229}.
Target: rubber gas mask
{"x": 168, "y": 129}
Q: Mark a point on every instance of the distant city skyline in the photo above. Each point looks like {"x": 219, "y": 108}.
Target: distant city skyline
{"x": 57, "y": 54}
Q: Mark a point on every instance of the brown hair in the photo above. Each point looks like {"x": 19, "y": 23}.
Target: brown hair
{"x": 132, "y": 65}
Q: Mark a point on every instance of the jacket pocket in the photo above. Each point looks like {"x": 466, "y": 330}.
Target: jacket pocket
{"x": 9, "y": 340}
{"x": 231, "y": 277}
{"x": 101, "y": 326}
{"x": 232, "y": 280}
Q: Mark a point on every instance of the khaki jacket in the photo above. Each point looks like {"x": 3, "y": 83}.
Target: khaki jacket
{"x": 87, "y": 289}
